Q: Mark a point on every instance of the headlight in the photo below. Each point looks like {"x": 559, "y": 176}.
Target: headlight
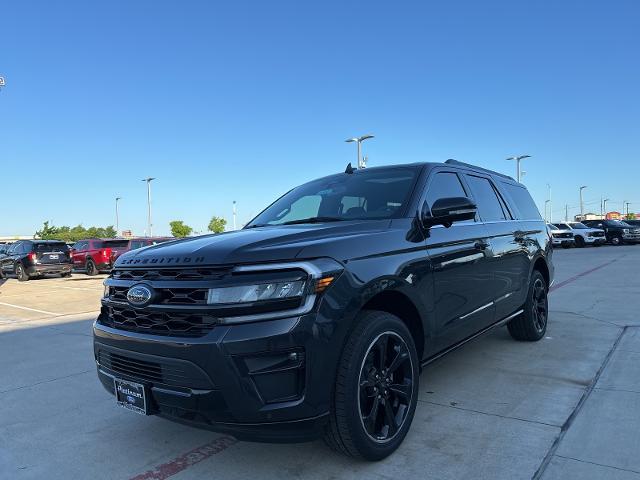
{"x": 625, "y": 230}
{"x": 262, "y": 292}
{"x": 256, "y": 292}
{"x": 105, "y": 292}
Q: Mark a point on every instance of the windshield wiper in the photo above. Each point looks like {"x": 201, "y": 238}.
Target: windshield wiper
{"x": 313, "y": 220}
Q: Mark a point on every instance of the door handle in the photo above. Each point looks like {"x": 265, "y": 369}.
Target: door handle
{"x": 481, "y": 245}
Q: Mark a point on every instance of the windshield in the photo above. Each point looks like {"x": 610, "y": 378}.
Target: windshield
{"x": 562, "y": 226}
{"x": 579, "y": 226}
{"x": 552, "y": 227}
{"x": 112, "y": 244}
{"x": 372, "y": 194}
{"x": 50, "y": 247}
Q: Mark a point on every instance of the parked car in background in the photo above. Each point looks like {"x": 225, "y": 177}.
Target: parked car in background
{"x": 34, "y": 258}
{"x": 616, "y": 231}
{"x": 561, "y": 237}
{"x": 95, "y": 255}
{"x": 135, "y": 243}
{"x": 583, "y": 234}
{"x": 633, "y": 223}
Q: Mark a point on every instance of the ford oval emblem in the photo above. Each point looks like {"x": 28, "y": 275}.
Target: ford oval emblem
{"x": 139, "y": 295}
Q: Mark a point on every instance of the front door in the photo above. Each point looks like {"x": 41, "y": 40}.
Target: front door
{"x": 460, "y": 259}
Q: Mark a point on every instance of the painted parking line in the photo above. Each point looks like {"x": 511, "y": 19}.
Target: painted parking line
{"x": 28, "y": 309}
{"x": 580, "y": 275}
{"x": 178, "y": 464}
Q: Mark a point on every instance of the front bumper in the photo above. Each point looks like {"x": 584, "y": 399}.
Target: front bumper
{"x": 564, "y": 242}
{"x": 631, "y": 238}
{"x": 266, "y": 381}
{"x": 595, "y": 240}
{"x": 48, "y": 269}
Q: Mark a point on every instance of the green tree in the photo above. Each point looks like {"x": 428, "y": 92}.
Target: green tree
{"x": 47, "y": 232}
{"x": 217, "y": 224}
{"x": 630, "y": 216}
{"x": 73, "y": 234}
{"x": 179, "y": 229}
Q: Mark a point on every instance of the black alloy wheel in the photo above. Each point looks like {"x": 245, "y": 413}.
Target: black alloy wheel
{"x": 376, "y": 388}
{"x": 539, "y": 306}
{"x": 386, "y": 387}
{"x": 531, "y": 324}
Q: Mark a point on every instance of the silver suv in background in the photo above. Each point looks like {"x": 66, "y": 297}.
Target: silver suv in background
{"x": 560, "y": 237}
{"x": 584, "y": 235}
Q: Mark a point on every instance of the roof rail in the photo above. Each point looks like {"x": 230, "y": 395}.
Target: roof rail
{"x": 451, "y": 161}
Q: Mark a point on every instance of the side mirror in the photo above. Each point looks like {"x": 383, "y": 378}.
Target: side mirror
{"x": 446, "y": 211}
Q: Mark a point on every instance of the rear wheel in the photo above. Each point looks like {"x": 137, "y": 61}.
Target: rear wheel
{"x": 91, "y": 268}
{"x": 376, "y": 388}
{"x": 531, "y": 324}
{"x": 21, "y": 273}
{"x": 579, "y": 241}
{"x": 66, "y": 275}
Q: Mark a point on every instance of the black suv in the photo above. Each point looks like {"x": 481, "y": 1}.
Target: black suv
{"x": 317, "y": 317}
{"x": 617, "y": 232}
{"x": 33, "y": 258}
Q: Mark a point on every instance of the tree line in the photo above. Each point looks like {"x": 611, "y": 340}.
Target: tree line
{"x": 72, "y": 234}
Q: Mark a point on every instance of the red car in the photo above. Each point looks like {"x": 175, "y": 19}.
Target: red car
{"x": 95, "y": 255}
{"x": 136, "y": 243}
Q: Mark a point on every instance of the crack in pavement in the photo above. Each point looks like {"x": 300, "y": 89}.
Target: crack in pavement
{"x": 583, "y": 399}
{"x": 506, "y": 417}
{"x": 47, "y": 381}
{"x": 598, "y": 464}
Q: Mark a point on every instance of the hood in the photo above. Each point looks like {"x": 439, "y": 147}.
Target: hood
{"x": 339, "y": 240}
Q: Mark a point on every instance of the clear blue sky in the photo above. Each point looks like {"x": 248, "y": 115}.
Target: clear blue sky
{"x": 243, "y": 100}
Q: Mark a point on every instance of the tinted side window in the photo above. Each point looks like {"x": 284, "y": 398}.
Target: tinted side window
{"x": 524, "y": 203}
{"x": 486, "y": 198}
{"x": 444, "y": 185}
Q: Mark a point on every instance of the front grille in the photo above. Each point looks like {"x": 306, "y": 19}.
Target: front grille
{"x": 166, "y": 274}
{"x": 168, "y": 371}
{"x": 141, "y": 369}
{"x": 596, "y": 234}
{"x": 562, "y": 235}
{"x": 167, "y": 296}
{"x": 174, "y": 324}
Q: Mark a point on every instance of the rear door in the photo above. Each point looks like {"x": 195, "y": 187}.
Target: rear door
{"x": 79, "y": 252}
{"x": 6, "y": 262}
{"x": 508, "y": 261}
{"x": 461, "y": 267}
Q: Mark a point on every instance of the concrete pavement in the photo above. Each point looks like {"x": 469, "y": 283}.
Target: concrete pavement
{"x": 562, "y": 408}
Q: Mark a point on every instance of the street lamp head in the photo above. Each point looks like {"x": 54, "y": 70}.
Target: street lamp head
{"x": 518, "y": 157}
{"x": 583, "y": 186}
{"x": 365, "y": 137}
{"x": 349, "y": 140}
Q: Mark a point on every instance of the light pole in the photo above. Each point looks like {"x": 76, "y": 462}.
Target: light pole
{"x": 582, "y": 204}
{"x": 149, "y": 224}
{"x": 234, "y": 214}
{"x": 361, "y": 161}
{"x": 550, "y": 203}
{"x": 117, "y": 216}
{"x": 627, "y": 204}
{"x": 518, "y": 159}
{"x": 546, "y": 202}
{"x": 604, "y": 206}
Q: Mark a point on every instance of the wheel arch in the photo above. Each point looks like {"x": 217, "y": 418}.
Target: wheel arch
{"x": 399, "y": 304}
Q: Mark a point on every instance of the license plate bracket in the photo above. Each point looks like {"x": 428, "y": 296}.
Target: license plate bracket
{"x": 131, "y": 395}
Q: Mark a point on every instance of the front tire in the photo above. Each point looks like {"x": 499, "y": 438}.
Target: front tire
{"x": 617, "y": 241}
{"x": 376, "y": 388}
{"x": 580, "y": 241}
{"x": 21, "y": 273}
{"x": 531, "y": 324}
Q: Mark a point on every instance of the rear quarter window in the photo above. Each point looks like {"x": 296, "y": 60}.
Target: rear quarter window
{"x": 520, "y": 197}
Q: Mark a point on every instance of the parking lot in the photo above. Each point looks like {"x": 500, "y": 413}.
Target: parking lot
{"x": 566, "y": 407}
